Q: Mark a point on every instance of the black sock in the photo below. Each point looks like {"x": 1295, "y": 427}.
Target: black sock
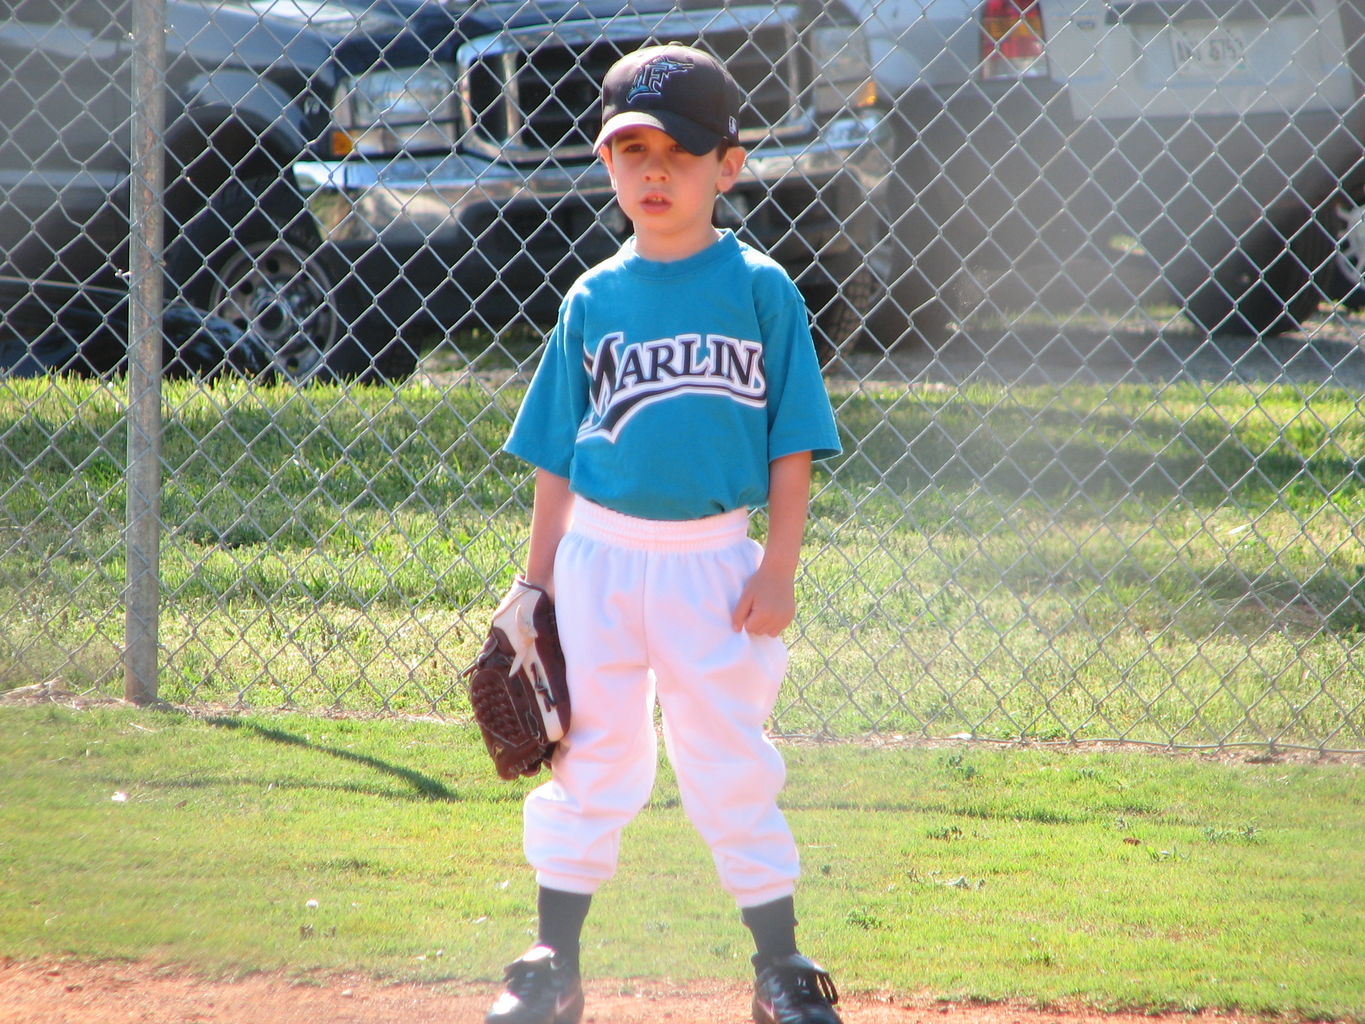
{"x": 561, "y": 922}
{"x": 774, "y": 928}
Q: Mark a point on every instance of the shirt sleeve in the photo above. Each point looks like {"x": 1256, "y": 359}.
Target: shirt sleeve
{"x": 546, "y": 426}
{"x": 800, "y": 418}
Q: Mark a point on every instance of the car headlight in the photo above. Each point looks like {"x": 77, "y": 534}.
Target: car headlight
{"x": 843, "y": 69}
{"x": 394, "y": 110}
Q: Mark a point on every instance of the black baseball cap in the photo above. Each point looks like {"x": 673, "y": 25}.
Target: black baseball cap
{"x": 677, "y": 89}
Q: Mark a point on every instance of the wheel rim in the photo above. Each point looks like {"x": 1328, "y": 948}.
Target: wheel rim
{"x": 1351, "y": 243}
{"x": 269, "y": 289}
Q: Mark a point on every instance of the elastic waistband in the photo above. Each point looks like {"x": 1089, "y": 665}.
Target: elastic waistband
{"x": 708, "y": 534}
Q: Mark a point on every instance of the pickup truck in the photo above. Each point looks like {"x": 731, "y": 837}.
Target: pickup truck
{"x": 1224, "y": 137}
{"x": 345, "y": 176}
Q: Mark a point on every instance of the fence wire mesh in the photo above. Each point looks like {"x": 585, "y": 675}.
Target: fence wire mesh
{"x": 1085, "y": 276}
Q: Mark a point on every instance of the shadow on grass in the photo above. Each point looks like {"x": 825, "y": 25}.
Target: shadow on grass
{"x": 424, "y": 785}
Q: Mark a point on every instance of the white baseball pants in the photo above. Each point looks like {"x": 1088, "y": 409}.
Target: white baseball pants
{"x": 644, "y": 614}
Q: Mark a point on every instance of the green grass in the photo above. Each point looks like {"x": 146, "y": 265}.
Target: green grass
{"x": 1152, "y": 563}
{"x": 1158, "y": 563}
{"x": 1112, "y": 879}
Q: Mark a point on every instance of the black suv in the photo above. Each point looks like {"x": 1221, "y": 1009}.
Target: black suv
{"x": 344, "y": 176}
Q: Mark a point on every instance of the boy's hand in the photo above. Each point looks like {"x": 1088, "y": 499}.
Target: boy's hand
{"x": 767, "y": 604}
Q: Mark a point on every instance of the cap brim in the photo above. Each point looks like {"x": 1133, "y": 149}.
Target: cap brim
{"x": 691, "y": 136}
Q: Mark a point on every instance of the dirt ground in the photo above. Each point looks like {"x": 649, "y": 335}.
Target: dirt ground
{"x": 67, "y": 992}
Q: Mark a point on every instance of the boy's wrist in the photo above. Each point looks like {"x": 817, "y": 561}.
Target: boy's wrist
{"x": 777, "y": 569}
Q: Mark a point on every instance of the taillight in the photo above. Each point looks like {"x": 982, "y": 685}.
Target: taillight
{"x": 1012, "y": 39}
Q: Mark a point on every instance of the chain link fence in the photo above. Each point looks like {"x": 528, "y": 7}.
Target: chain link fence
{"x": 1085, "y": 276}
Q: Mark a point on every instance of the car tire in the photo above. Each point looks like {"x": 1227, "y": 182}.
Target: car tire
{"x": 1264, "y": 289}
{"x": 838, "y": 319}
{"x": 890, "y": 303}
{"x": 253, "y": 257}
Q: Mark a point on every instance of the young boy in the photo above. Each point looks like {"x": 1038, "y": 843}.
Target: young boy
{"x": 679, "y": 389}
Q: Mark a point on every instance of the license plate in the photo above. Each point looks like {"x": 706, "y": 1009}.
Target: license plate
{"x": 1207, "y": 52}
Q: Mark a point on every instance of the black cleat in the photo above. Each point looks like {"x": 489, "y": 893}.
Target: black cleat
{"x": 794, "y": 990}
{"x": 538, "y": 990}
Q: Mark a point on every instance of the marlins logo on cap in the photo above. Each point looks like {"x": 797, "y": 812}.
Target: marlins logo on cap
{"x": 677, "y": 89}
{"x": 650, "y": 79}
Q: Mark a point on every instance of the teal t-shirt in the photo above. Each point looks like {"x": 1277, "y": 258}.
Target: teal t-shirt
{"x": 666, "y": 389}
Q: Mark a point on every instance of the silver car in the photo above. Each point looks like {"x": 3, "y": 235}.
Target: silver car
{"x": 1223, "y": 135}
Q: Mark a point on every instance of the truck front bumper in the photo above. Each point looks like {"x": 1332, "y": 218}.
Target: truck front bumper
{"x": 443, "y": 237}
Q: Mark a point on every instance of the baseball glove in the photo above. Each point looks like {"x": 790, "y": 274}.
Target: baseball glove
{"x": 517, "y": 684}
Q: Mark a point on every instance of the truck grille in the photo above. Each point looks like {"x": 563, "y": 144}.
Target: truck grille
{"x": 529, "y": 93}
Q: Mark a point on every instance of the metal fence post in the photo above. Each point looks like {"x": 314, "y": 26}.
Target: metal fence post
{"x": 142, "y": 537}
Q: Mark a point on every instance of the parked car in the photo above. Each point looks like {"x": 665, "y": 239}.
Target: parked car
{"x": 345, "y": 175}
{"x": 1224, "y": 136}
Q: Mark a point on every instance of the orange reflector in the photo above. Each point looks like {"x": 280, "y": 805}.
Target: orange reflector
{"x": 342, "y": 143}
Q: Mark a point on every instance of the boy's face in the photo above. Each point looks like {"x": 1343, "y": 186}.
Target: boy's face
{"x": 668, "y": 193}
